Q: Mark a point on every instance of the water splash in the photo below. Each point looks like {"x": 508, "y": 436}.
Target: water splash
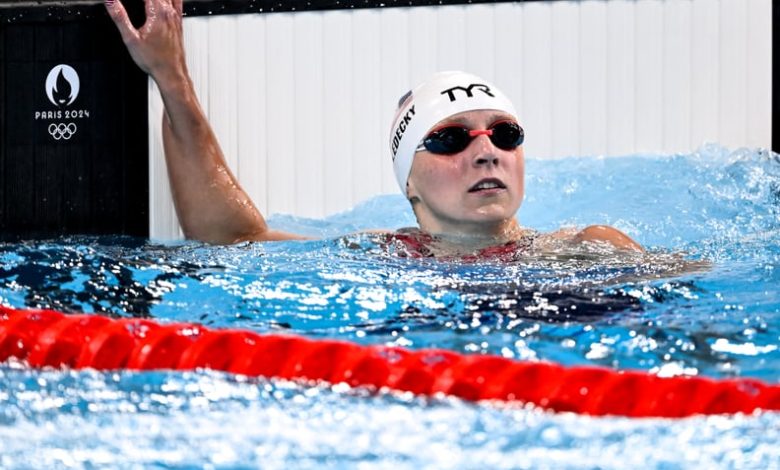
{"x": 714, "y": 210}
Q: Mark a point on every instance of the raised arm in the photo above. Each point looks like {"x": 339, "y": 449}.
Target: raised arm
{"x": 211, "y": 204}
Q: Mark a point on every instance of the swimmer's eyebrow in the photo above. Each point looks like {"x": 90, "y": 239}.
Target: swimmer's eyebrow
{"x": 465, "y": 122}
{"x": 501, "y": 117}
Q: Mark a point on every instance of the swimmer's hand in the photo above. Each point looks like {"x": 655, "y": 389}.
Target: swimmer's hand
{"x": 157, "y": 47}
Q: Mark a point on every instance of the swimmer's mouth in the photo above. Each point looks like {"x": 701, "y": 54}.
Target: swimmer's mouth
{"x": 487, "y": 184}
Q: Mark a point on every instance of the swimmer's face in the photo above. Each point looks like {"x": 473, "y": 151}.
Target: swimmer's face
{"x": 474, "y": 191}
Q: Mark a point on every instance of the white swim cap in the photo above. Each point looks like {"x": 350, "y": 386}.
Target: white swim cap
{"x": 443, "y": 95}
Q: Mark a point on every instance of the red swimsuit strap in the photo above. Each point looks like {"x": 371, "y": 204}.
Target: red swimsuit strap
{"x": 416, "y": 244}
{"x": 411, "y": 244}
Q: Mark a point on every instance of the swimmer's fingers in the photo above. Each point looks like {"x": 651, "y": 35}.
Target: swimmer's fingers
{"x": 118, "y": 14}
{"x": 152, "y": 8}
{"x": 178, "y": 5}
{"x": 155, "y": 7}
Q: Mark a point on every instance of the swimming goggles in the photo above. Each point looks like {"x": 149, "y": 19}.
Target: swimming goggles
{"x": 449, "y": 140}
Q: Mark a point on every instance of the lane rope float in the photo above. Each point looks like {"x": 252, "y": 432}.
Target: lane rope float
{"x": 45, "y": 338}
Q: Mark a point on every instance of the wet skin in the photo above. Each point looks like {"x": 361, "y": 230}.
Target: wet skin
{"x": 445, "y": 189}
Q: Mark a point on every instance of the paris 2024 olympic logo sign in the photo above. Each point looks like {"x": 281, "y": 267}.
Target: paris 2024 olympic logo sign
{"x": 62, "y": 88}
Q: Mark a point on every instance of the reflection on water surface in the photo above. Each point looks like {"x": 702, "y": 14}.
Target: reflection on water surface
{"x": 702, "y": 301}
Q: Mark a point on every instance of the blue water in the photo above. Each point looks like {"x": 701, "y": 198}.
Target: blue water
{"x": 702, "y": 301}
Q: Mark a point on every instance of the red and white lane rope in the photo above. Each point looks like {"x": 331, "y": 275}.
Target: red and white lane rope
{"x": 48, "y": 338}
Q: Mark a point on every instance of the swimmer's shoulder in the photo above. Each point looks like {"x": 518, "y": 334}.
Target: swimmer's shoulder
{"x": 590, "y": 234}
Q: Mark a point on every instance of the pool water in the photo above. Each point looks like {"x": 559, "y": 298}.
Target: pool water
{"x": 702, "y": 301}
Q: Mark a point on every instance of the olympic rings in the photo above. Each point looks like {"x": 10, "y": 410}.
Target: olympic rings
{"x": 62, "y": 131}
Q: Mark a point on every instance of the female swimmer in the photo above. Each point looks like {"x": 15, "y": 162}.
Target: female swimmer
{"x": 456, "y": 144}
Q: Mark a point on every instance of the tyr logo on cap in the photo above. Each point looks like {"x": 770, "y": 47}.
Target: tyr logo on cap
{"x": 483, "y": 88}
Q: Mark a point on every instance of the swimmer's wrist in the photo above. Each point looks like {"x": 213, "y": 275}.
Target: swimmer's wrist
{"x": 176, "y": 80}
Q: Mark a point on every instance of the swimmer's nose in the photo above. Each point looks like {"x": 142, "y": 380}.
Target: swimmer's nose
{"x": 485, "y": 153}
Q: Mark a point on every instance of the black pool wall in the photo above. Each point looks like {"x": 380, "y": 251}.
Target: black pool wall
{"x": 73, "y": 124}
